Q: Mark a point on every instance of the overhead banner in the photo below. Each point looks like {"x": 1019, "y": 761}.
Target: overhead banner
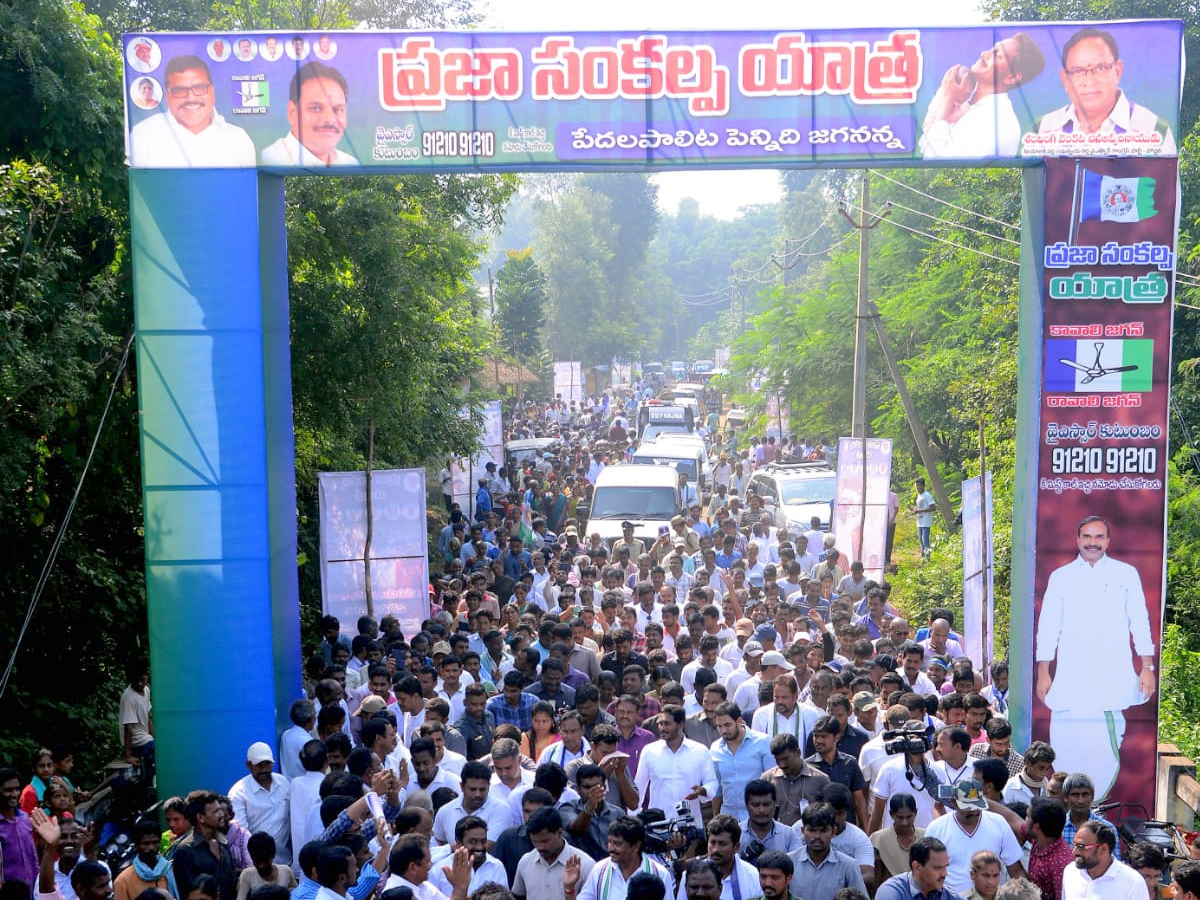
{"x": 568, "y": 382}
{"x": 399, "y": 552}
{"x": 979, "y": 587}
{"x": 1108, "y": 285}
{"x": 308, "y": 101}
{"x": 860, "y": 514}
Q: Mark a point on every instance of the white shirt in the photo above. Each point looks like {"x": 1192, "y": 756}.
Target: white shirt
{"x": 423, "y": 891}
{"x": 265, "y": 809}
{"x": 736, "y": 679}
{"x": 491, "y": 869}
{"x": 605, "y": 881}
{"x": 743, "y": 872}
{"x": 493, "y": 811}
{"x": 951, "y": 775}
{"x": 920, "y": 685}
{"x": 457, "y": 700}
{"x": 558, "y": 753}
{"x": 304, "y": 795}
{"x": 1119, "y": 882}
{"x": 989, "y": 127}
{"x": 670, "y": 775}
{"x": 746, "y": 696}
{"x": 443, "y": 778}
{"x": 135, "y": 711}
{"x": 501, "y": 791}
{"x": 872, "y": 756}
{"x": 1088, "y": 614}
{"x": 770, "y": 721}
{"x": 288, "y": 151}
{"x": 160, "y": 142}
{"x": 892, "y": 779}
{"x": 1126, "y": 117}
{"x": 992, "y": 833}
{"x": 291, "y": 742}
{"x": 854, "y": 842}
{"x": 452, "y": 762}
{"x": 687, "y": 677}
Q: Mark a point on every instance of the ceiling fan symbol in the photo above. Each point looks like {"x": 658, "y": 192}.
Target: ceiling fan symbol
{"x": 1096, "y": 369}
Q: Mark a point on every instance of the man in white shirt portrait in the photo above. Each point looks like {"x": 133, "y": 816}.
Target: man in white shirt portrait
{"x": 317, "y": 114}
{"x": 189, "y": 132}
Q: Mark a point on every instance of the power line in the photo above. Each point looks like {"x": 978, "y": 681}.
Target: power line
{"x": 934, "y": 237}
{"x": 952, "y": 224}
{"x": 56, "y": 545}
{"x": 969, "y": 212}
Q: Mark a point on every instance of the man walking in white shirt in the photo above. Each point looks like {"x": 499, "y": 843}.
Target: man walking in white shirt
{"x": 675, "y": 768}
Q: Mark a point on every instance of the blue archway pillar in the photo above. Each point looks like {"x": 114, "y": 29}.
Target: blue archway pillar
{"x": 218, "y": 466}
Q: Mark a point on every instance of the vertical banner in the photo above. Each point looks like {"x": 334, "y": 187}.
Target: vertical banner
{"x": 860, "y": 514}
{"x": 1101, "y": 514}
{"x": 622, "y": 372}
{"x": 777, "y": 424}
{"x": 467, "y": 472}
{"x": 399, "y": 552}
{"x": 568, "y": 382}
{"x": 979, "y": 589}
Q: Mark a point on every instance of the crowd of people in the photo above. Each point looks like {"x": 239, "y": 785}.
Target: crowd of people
{"x": 729, "y": 713}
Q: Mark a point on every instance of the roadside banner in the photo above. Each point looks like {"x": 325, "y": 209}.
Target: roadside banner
{"x": 978, "y": 581}
{"x": 1108, "y": 282}
{"x": 568, "y": 382}
{"x": 860, "y": 514}
{"x": 461, "y": 100}
{"x": 399, "y": 549}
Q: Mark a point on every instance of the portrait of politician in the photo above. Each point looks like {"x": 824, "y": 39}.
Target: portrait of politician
{"x": 189, "y": 133}
{"x": 971, "y": 115}
{"x": 1092, "y": 607}
{"x": 1091, "y": 74}
{"x": 316, "y": 112}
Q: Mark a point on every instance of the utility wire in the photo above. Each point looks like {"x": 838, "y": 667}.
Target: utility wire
{"x": 970, "y": 212}
{"x": 934, "y": 237}
{"x": 953, "y": 224}
{"x": 52, "y": 556}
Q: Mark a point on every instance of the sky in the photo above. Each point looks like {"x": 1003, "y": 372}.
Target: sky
{"x": 721, "y": 194}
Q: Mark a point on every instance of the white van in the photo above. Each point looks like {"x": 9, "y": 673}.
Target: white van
{"x": 681, "y": 457}
{"x": 647, "y": 496}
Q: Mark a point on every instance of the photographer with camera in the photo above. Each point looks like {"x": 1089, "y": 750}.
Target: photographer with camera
{"x": 822, "y": 871}
{"x": 906, "y": 771}
{"x": 739, "y": 879}
{"x": 761, "y": 831}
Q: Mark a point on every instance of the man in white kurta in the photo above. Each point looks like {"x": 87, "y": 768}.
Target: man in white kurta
{"x": 1091, "y": 609}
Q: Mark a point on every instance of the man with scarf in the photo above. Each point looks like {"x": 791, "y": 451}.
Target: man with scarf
{"x": 149, "y": 869}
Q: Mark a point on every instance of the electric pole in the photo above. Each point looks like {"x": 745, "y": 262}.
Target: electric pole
{"x": 867, "y": 221}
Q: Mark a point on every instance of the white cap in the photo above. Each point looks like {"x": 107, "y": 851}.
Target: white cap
{"x": 775, "y": 658}
{"x": 259, "y": 752}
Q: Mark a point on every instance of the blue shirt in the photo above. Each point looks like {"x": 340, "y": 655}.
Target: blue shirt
{"x": 504, "y": 714}
{"x": 735, "y": 771}
{"x": 726, "y": 560}
{"x": 903, "y": 887}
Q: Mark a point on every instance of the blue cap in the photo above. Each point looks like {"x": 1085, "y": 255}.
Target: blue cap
{"x": 765, "y": 633}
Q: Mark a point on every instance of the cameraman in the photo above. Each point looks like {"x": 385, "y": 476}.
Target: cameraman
{"x": 906, "y": 771}
{"x": 761, "y": 831}
{"x": 739, "y": 879}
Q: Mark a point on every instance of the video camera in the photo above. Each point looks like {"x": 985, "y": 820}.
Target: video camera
{"x": 911, "y": 737}
{"x": 660, "y": 829}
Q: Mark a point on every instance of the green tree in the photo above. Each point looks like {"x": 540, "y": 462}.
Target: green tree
{"x": 521, "y": 305}
{"x": 64, "y": 314}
